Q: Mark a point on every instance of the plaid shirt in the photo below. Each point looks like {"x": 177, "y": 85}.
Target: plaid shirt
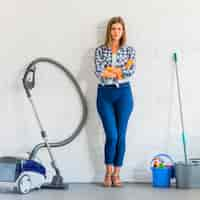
{"x": 103, "y": 58}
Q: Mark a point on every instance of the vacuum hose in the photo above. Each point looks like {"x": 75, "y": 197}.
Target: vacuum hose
{"x": 29, "y": 84}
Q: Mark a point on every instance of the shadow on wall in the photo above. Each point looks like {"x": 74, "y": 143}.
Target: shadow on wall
{"x": 93, "y": 127}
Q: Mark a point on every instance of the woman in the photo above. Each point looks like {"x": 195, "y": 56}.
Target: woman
{"x": 115, "y": 63}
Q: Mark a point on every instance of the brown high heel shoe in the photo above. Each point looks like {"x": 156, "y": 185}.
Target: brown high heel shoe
{"x": 107, "y": 180}
{"x": 116, "y": 182}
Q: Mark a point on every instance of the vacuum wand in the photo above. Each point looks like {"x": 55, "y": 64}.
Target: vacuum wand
{"x": 175, "y": 58}
{"x": 44, "y": 136}
{"x": 29, "y": 84}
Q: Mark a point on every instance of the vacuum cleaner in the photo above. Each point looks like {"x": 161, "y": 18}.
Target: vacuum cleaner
{"x": 27, "y": 174}
{"x": 188, "y": 172}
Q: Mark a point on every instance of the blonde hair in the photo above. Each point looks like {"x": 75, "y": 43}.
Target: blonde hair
{"x": 108, "y": 39}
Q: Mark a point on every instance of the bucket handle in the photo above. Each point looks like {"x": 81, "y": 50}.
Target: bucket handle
{"x": 163, "y": 155}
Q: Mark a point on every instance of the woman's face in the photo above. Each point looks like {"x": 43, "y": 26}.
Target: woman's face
{"x": 116, "y": 31}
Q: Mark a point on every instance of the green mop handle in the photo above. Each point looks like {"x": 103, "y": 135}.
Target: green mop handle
{"x": 175, "y": 58}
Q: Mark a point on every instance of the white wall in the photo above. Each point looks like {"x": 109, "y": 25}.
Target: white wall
{"x": 68, "y": 31}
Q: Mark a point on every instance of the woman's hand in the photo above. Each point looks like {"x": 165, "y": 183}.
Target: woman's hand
{"x": 117, "y": 71}
{"x": 112, "y": 72}
{"x": 129, "y": 63}
{"x": 108, "y": 74}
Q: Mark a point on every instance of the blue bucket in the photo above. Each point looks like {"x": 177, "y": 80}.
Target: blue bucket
{"x": 161, "y": 177}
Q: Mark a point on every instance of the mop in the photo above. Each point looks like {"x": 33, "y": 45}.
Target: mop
{"x": 187, "y": 173}
{"x": 175, "y": 58}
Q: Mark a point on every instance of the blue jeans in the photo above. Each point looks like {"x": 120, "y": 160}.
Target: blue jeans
{"x": 114, "y": 106}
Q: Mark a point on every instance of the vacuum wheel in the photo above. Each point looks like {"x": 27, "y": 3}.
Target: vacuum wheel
{"x": 24, "y": 184}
